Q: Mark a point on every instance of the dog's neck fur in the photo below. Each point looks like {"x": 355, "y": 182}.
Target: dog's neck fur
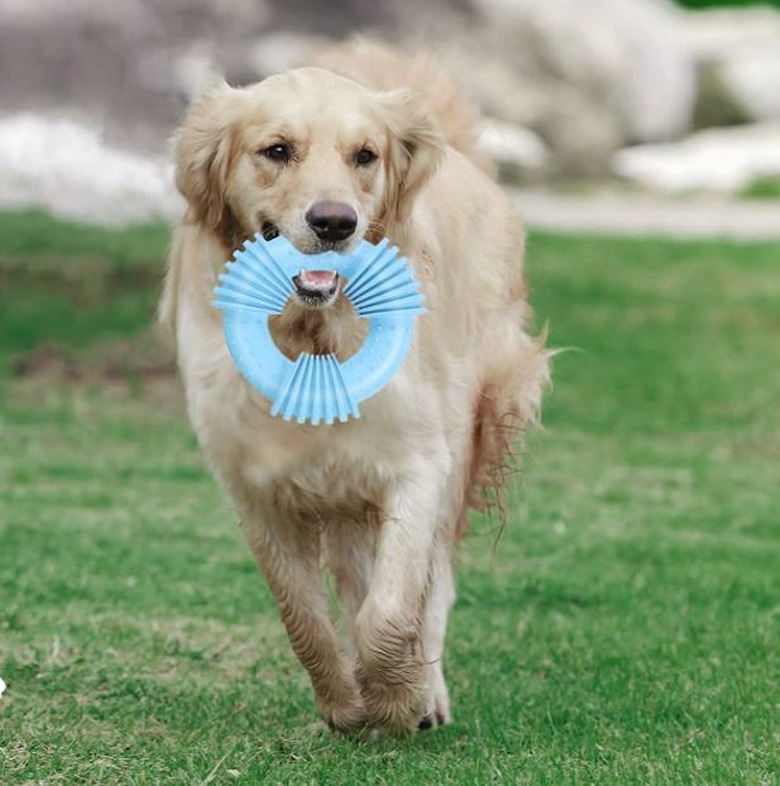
{"x": 334, "y": 329}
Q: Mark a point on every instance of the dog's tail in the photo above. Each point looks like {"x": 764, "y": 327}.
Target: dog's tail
{"x": 383, "y": 68}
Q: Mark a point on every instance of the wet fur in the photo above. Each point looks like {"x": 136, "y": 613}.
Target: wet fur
{"x": 380, "y": 501}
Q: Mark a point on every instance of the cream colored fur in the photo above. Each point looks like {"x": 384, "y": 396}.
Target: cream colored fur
{"x": 380, "y": 501}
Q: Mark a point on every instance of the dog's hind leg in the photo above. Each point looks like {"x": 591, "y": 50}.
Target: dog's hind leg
{"x": 349, "y": 554}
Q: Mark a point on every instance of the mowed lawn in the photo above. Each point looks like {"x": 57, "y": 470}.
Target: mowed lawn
{"x": 623, "y": 629}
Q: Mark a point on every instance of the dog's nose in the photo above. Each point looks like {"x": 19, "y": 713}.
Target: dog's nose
{"x": 332, "y": 220}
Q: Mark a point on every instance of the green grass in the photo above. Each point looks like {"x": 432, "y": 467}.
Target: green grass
{"x": 68, "y": 284}
{"x": 698, "y": 4}
{"x": 762, "y": 188}
{"x": 624, "y": 630}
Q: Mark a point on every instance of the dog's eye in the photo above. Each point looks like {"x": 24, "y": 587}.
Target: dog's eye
{"x": 365, "y": 157}
{"x": 279, "y": 152}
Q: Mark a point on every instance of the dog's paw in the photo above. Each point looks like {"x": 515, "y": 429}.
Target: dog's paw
{"x": 390, "y": 671}
{"x": 347, "y": 724}
{"x": 346, "y": 718}
{"x": 432, "y": 720}
{"x": 438, "y": 703}
{"x": 397, "y": 709}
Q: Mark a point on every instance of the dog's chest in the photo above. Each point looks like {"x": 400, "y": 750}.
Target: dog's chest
{"x": 327, "y": 489}
{"x": 343, "y": 465}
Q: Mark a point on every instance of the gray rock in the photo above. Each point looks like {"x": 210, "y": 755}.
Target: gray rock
{"x": 65, "y": 165}
{"x": 520, "y": 154}
{"x": 738, "y": 55}
{"x": 718, "y": 159}
{"x": 627, "y": 57}
{"x": 588, "y": 78}
{"x": 278, "y": 52}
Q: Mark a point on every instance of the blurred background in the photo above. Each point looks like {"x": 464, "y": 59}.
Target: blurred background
{"x": 618, "y": 115}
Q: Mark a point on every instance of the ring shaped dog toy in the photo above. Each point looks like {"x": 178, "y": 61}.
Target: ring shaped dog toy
{"x": 317, "y": 388}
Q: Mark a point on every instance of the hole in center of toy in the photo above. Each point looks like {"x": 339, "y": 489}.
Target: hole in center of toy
{"x": 334, "y": 330}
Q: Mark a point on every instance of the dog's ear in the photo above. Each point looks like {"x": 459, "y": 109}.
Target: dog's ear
{"x": 204, "y": 146}
{"x": 417, "y": 147}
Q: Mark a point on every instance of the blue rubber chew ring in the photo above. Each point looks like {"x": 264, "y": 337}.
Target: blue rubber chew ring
{"x": 317, "y": 388}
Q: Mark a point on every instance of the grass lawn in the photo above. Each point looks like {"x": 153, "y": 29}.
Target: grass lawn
{"x": 624, "y": 630}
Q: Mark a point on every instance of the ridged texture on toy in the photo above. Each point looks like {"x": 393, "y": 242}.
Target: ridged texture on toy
{"x": 315, "y": 391}
{"x": 254, "y": 281}
{"x": 383, "y": 284}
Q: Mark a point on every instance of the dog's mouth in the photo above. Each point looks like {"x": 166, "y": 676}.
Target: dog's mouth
{"x": 313, "y": 288}
{"x": 316, "y": 288}
{"x": 269, "y": 230}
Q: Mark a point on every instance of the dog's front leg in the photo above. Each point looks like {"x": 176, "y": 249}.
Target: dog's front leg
{"x": 391, "y": 664}
{"x": 288, "y": 556}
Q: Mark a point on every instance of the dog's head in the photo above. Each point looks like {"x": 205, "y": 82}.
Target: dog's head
{"x": 310, "y": 155}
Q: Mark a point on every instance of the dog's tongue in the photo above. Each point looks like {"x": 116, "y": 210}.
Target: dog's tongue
{"x": 318, "y": 280}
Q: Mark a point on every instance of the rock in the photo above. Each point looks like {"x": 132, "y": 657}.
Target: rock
{"x": 52, "y": 12}
{"x": 626, "y": 57}
{"x": 714, "y": 34}
{"x": 586, "y": 81}
{"x": 715, "y": 103}
{"x": 519, "y": 153}
{"x": 722, "y": 159}
{"x": 66, "y": 167}
{"x": 738, "y": 55}
{"x": 754, "y": 82}
{"x": 278, "y": 52}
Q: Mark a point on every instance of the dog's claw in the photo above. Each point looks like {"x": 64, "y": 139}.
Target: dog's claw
{"x": 426, "y": 723}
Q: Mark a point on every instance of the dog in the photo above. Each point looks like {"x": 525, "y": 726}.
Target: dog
{"x": 365, "y": 143}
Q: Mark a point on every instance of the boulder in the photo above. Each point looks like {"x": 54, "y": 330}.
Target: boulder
{"x": 65, "y": 165}
{"x": 586, "y": 77}
{"x": 737, "y": 52}
{"x": 718, "y": 159}
{"x": 520, "y": 154}
{"x": 626, "y": 57}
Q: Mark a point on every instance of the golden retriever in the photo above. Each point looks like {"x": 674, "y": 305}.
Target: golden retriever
{"x": 366, "y": 144}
